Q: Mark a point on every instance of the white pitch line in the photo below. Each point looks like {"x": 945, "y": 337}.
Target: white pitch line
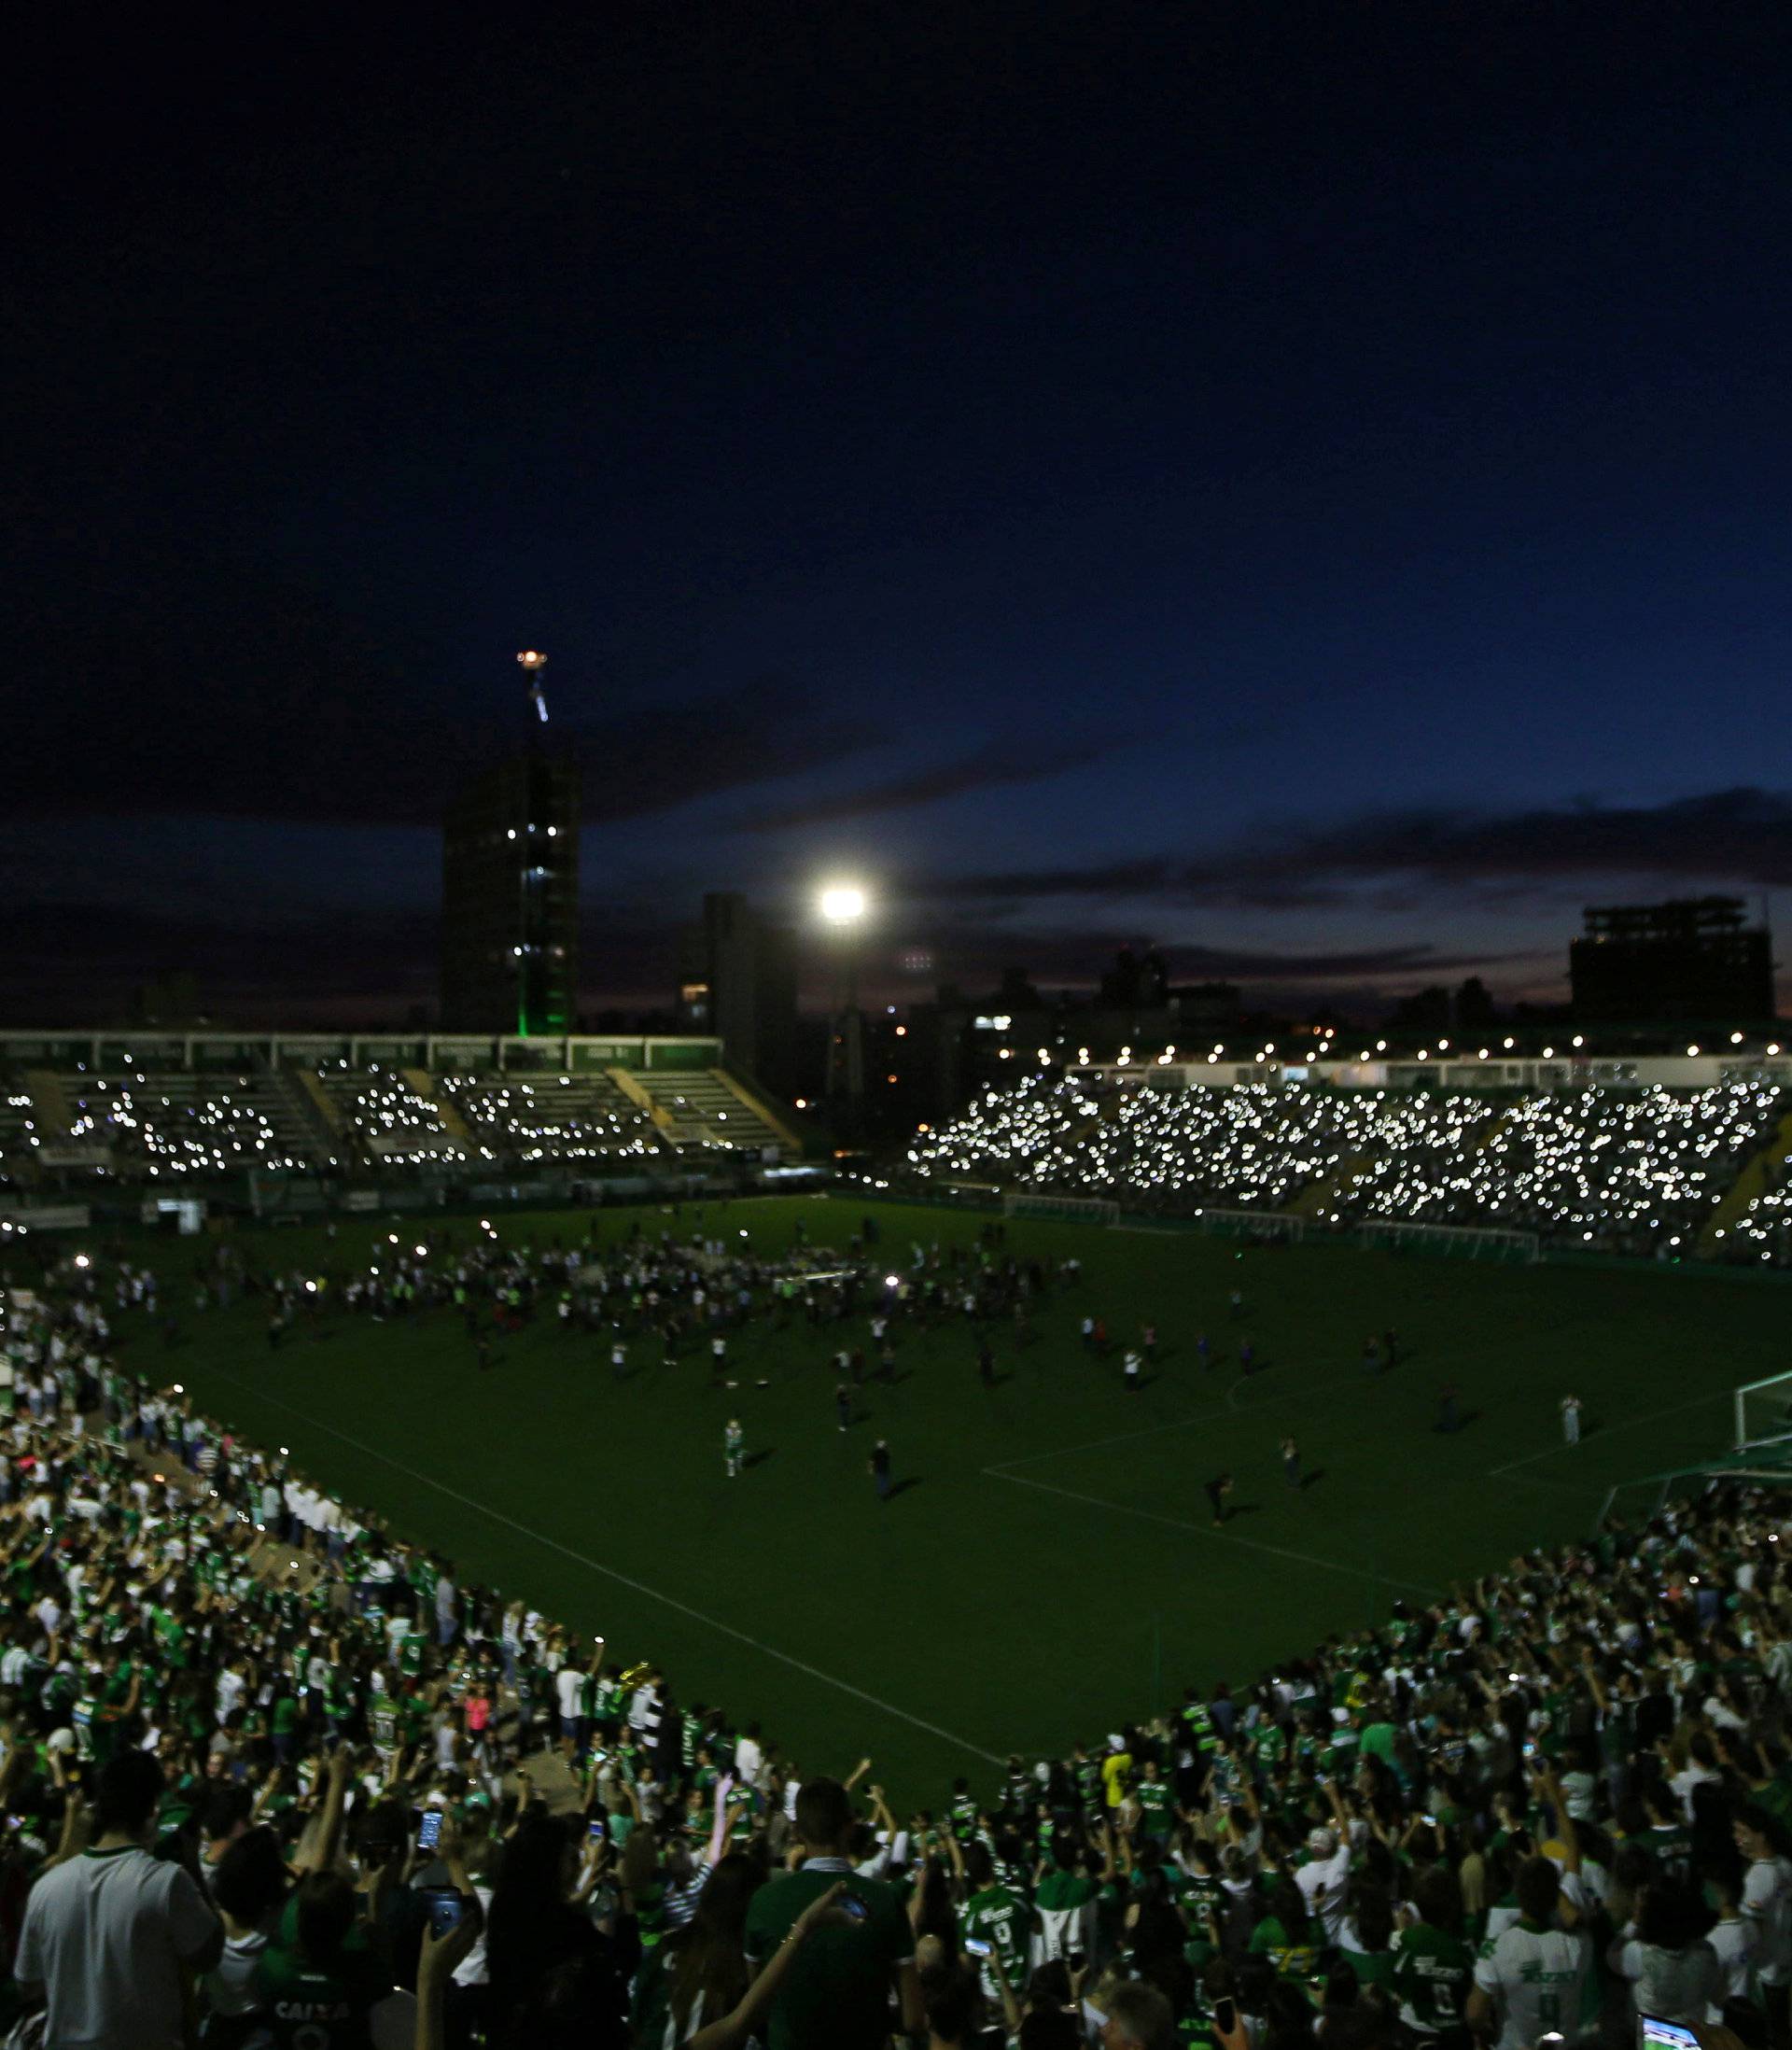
{"x": 1649, "y": 1417}
{"x": 623, "y": 1579}
{"x": 1225, "y": 1536}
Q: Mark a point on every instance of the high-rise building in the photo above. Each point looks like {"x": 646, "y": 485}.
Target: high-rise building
{"x": 509, "y": 900}
{"x": 738, "y": 979}
{"x": 1692, "y": 962}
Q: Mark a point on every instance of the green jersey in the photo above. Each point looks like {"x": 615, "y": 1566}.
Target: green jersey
{"x": 999, "y": 1918}
{"x": 1292, "y": 1961}
{"x": 311, "y": 2009}
{"x": 1433, "y": 1972}
{"x": 1155, "y": 1805}
{"x": 837, "y": 1989}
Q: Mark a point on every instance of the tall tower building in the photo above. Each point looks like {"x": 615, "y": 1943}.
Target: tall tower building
{"x": 509, "y": 900}
{"x": 738, "y": 979}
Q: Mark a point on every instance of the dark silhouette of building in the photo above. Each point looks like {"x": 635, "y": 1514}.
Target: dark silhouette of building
{"x": 1136, "y": 983}
{"x": 1426, "y": 1011}
{"x": 509, "y": 900}
{"x": 1475, "y": 1008}
{"x": 1695, "y": 962}
{"x": 738, "y": 979}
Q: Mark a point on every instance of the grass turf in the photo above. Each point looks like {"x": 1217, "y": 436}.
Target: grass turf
{"x": 1048, "y": 1567}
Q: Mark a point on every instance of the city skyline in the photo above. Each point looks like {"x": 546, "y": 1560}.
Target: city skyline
{"x": 1308, "y": 497}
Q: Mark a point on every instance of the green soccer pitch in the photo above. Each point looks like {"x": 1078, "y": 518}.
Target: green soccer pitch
{"x": 1048, "y": 1568}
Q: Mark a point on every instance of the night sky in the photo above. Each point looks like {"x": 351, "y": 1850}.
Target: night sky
{"x": 1304, "y": 487}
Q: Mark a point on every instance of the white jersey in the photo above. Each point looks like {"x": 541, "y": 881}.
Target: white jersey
{"x": 1767, "y": 1907}
{"x": 1534, "y": 1976}
{"x": 1733, "y": 1942}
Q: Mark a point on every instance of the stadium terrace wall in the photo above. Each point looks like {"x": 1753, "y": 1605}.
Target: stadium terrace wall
{"x": 1650, "y": 1071}
{"x": 438, "y": 1053}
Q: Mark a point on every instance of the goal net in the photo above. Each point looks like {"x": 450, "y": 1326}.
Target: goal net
{"x": 1252, "y": 1224}
{"x": 1475, "y": 1241}
{"x": 1069, "y": 1209}
{"x": 1764, "y": 1417}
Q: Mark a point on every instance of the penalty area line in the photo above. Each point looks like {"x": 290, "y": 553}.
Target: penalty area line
{"x": 1225, "y": 1536}
{"x": 622, "y": 1579}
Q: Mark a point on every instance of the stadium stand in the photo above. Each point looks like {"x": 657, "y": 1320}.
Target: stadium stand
{"x": 1629, "y": 1170}
{"x": 565, "y": 1117}
{"x": 175, "y": 1123}
{"x": 700, "y": 1108}
{"x": 384, "y": 1117}
{"x": 1550, "y": 1803}
{"x": 171, "y": 1110}
{"x": 18, "y": 1128}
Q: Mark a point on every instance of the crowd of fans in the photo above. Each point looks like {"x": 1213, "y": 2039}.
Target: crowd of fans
{"x": 253, "y": 1744}
{"x": 387, "y": 1119}
{"x": 1763, "y": 1232}
{"x": 180, "y": 1126}
{"x": 1620, "y": 1170}
{"x": 556, "y": 1120}
{"x": 197, "y": 1127}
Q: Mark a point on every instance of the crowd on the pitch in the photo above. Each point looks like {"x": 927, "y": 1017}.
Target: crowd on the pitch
{"x": 1611, "y": 1170}
{"x": 1546, "y": 1802}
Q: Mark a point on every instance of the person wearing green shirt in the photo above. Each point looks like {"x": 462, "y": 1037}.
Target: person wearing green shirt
{"x": 1365, "y": 1939}
{"x": 1433, "y": 1965}
{"x": 1286, "y": 1935}
{"x": 997, "y": 1917}
{"x": 834, "y": 1995}
{"x": 1065, "y": 1903}
{"x": 1156, "y": 1809}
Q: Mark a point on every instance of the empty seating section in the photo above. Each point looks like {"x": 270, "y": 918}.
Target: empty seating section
{"x": 701, "y": 1110}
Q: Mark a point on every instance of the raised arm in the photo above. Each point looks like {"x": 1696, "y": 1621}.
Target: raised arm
{"x": 328, "y": 1838}
{"x": 719, "y": 1825}
{"x": 735, "y": 2027}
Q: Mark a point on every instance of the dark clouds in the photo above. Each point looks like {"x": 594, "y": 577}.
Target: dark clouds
{"x": 994, "y": 767}
{"x": 1742, "y": 836}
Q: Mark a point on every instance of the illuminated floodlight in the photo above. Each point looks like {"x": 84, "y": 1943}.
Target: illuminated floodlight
{"x": 842, "y": 903}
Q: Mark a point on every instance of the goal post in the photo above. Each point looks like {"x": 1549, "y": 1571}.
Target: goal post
{"x": 1279, "y": 1225}
{"x": 1764, "y": 1414}
{"x": 1066, "y": 1209}
{"x": 1476, "y": 1241}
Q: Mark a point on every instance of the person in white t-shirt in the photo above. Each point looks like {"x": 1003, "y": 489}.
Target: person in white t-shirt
{"x": 1529, "y": 1977}
{"x": 1673, "y": 1972}
{"x": 1322, "y": 1879}
{"x": 1767, "y": 1908}
{"x": 1732, "y": 1938}
{"x": 107, "y": 1933}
